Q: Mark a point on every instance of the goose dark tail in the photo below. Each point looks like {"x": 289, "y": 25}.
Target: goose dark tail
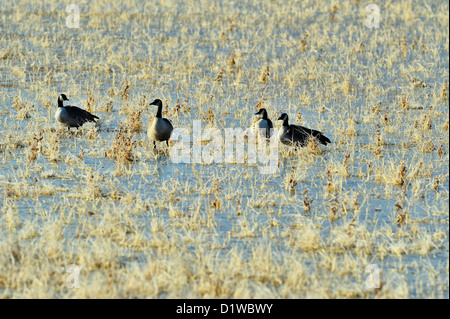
{"x": 323, "y": 139}
{"x": 90, "y": 117}
{"x": 320, "y": 137}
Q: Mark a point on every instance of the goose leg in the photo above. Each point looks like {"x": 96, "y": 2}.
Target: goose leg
{"x": 167, "y": 142}
{"x": 154, "y": 145}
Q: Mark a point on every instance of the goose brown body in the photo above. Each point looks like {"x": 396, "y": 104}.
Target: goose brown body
{"x": 295, "y": 135}
{"x": 262, "y": 125}
{"x": 72, "y": 116}
{"x": 159, "y": 129}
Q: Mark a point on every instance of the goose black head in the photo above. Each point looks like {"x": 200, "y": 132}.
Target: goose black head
{"x": 157, "y": 102}
{"x": 284, "y": 117}
{"x": 61, "y": 99}
{"x": 263, "y": 112}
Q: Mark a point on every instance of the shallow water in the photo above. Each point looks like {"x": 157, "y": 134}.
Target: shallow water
{"x": 213, "y": 213}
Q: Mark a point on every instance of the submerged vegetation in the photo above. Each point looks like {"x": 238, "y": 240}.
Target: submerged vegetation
{"x": 138, "y": 225}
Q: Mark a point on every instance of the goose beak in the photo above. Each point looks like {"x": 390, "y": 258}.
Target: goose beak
{"x": 280, "y": 118}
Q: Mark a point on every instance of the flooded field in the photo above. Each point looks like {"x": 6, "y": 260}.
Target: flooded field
{"x": 96, "y": 212}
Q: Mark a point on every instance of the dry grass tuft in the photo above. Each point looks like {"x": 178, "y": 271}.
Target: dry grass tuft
{"x": 125, "y": 92}
{"x": 123, "y": 145}
{"x": 134, "y": 121}
{"x": 90, "y": 103}
{"x": 444, "y": 91}
{"x": 304, "y": 42}
{"x": 400, "y": 179}
{"x": 402, "y": 214}
{"x": 140, "y": 226}
{"x": 265, "y": 73}
{"x": 334, "y": 9}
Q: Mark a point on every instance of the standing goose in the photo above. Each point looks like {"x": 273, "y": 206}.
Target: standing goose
{"x": 294, "y": 135}
{"x": 262, "y": 123}
{"x": 72, "y": 116}
{"x": 160, "y": 128}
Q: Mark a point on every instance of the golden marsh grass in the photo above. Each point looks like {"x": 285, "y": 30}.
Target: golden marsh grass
{"x": 139, "y": 226}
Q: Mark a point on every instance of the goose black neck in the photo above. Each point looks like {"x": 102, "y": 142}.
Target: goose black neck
{"x": 264, "y": 115}
{"x": 60, "y": 103}
{"x": 159, "y": 113}
{"x": 286, "y": 121}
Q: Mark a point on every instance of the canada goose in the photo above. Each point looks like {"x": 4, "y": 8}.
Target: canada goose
{"x": 262, "y": 123}
{"x": 160, "y": 128}
{"x": 294, "y": 135}
{"x": 72, "y": 116}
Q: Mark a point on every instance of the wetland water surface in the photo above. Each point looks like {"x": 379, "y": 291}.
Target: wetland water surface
{"x": 97, "y": 213}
